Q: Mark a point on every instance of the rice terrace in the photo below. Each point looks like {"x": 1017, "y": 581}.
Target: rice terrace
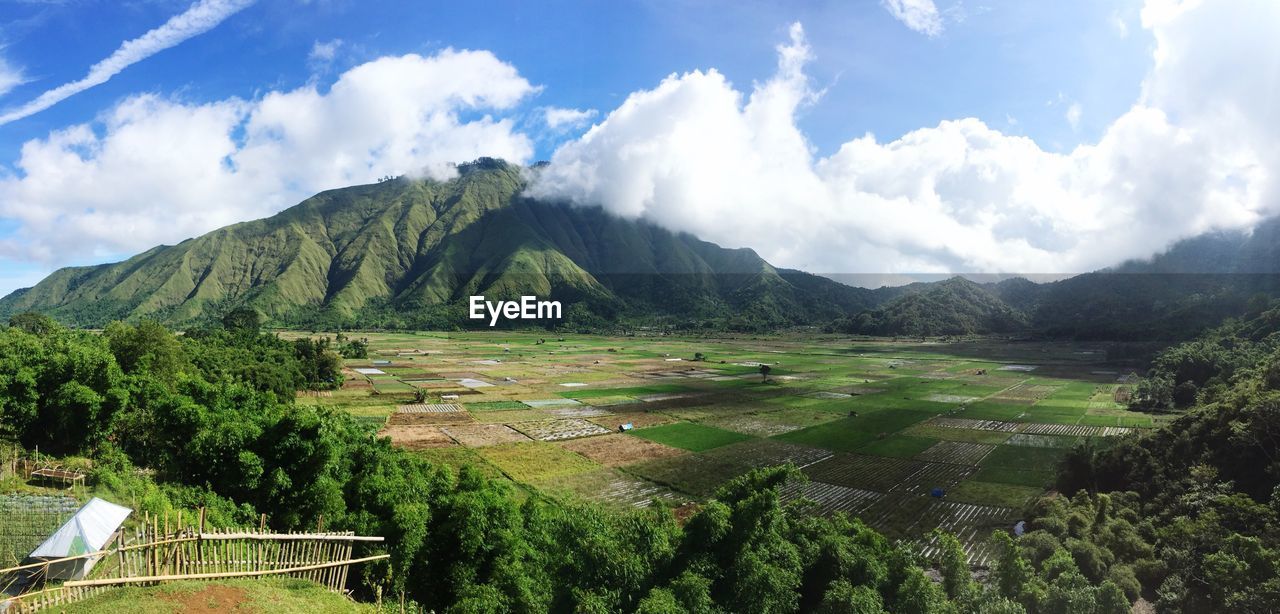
{"x": 909, "y": 436}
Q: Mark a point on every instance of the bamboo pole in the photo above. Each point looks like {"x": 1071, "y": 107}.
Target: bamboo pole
{"x": 216, "y": 575}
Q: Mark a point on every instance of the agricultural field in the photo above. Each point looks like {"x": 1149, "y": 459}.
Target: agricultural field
{"x": 908, "y": 436}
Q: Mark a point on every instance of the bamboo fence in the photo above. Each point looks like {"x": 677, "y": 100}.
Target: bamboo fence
{"x": 157, "y": 553}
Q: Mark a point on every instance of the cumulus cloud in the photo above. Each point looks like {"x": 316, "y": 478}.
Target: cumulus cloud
{"x": 561, "y": 119}
{"x": 919, "y": 15}
{"x": 698, "y": 155}
{"x": 154, "y": 169}
{"x": 200, "y": 18}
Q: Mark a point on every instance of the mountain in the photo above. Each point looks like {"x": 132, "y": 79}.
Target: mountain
{"x": 409, "y": 252}
{"x": 955, "y": 306}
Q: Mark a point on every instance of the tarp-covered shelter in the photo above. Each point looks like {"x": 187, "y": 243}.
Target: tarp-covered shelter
{"x": 91, "y": 528}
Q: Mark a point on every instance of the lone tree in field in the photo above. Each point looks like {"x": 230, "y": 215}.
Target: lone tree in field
{"x": 764, "y": 372}
{"x": 699, "y": 356}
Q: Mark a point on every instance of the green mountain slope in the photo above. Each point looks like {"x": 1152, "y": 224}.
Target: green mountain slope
{"x": 410, "y": 252}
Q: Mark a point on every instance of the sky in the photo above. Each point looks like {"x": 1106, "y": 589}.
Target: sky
{"x": 881, "y": 137}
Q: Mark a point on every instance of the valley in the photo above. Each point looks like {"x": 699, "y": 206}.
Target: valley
{"x": 908, "y": 436}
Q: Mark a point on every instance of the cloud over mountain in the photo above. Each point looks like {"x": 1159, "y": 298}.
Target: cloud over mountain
{"x": 697, "y": 154}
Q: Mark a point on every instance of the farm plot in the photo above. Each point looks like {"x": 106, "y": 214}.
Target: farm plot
{"x": 764, "y": 453}
{"x": 865, "y": 472}
{"x": 616, "y": 449}
{"x": 952, "y": 434}
{"x": 544, "y": 403}
{"x": 496, "y": 406}
{"x": 977, "y": 425}
{"x": 637, "y": 419}
{"x": 902, "y": 446}
{"x": 1042, "y": 441}
{"x": 481, "y": 435}
{"x": 925, "y": 477}
{"x": 829, "y": 498}
{"x": 612, "y": 487}
{"x": 696, "y": 474}
{"x": 849, "y": 434}
{"x": 770, "y": 423}
{"x": 690, "y": 436}
{"x": 950, "y": 398}
{"x": 429, "y": 418}
{"x": 535, "y": 461}
{"x": 971, "y": 524}
{"x": 416, "y": 437}
{"x": 1072, "y": 430}
{"x": 990, "y": 493}
{"x": 1025, "y": 392}
{"x": 438, "y": 408}
{"x": 578, "y": 412}
{"x": 956, "y": 452}
{"x": 1020, "y": 465}
{"x": 561, "y": 428}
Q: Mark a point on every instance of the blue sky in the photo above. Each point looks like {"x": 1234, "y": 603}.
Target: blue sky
{"x": 1016, "y": 67}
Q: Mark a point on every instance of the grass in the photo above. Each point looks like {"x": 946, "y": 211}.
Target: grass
{"x": 900, "y": 446}
{"x": 849, "y": 434}
{"x": 1032, "y": 478}
{"x": 276, "y": 595}
{"x": 690, "y": 436}
{"x": 989, "y": 493}
{"x": 1021, "y": 457}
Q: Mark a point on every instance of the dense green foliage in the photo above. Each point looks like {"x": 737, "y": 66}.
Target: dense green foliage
{"x": 1187, "y": 515}
{"x": 1201, "y": 370}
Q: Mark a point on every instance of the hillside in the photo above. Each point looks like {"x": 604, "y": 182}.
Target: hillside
{"x": 956, "y": 306}
{"x": 408, "y": 252}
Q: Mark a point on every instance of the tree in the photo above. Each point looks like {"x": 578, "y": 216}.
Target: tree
{"x": 764, "y": 372}
{"x": 242, "y": 320}
{"x": 34, "y": 323}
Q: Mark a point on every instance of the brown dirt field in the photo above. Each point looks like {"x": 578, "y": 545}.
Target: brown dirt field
{"x": 416, "y": 437}
{"x": 616, "y": 449}
{"x": 480, "y": 435}
{"x": 639, "y": 419}
{"x": 356, "y": 383}
{"x": 455, "y": 417}
{"x": 211, "y": 599}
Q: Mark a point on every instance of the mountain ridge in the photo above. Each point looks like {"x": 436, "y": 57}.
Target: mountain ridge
{"x": 409, "y": 252}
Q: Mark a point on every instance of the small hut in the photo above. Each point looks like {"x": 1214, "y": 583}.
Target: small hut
{"x": 90, "y": 530}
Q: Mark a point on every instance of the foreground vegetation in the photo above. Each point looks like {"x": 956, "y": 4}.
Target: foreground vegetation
{"x": 221, "y": 433}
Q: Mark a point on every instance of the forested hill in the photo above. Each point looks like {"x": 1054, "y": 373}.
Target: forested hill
{"x": 408, "y": 252}
{"x": 956, "y": 306}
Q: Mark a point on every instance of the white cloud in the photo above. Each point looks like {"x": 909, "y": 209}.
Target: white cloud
{"x": 1073, "y": 115}
{"x": 1119, "y": 24}
{"x": 697, "y": 155}
{"x": 10, "y": 76}
{"x": 155, "y": 170}
{"x": 919, "y": 15}
{"x": 200, "y": 18}
{"x": 324, "y": 52}
{"x": 558, "y": 118}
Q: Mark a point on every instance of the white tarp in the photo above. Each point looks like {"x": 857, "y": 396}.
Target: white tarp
{"x": 86, "y": 532}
